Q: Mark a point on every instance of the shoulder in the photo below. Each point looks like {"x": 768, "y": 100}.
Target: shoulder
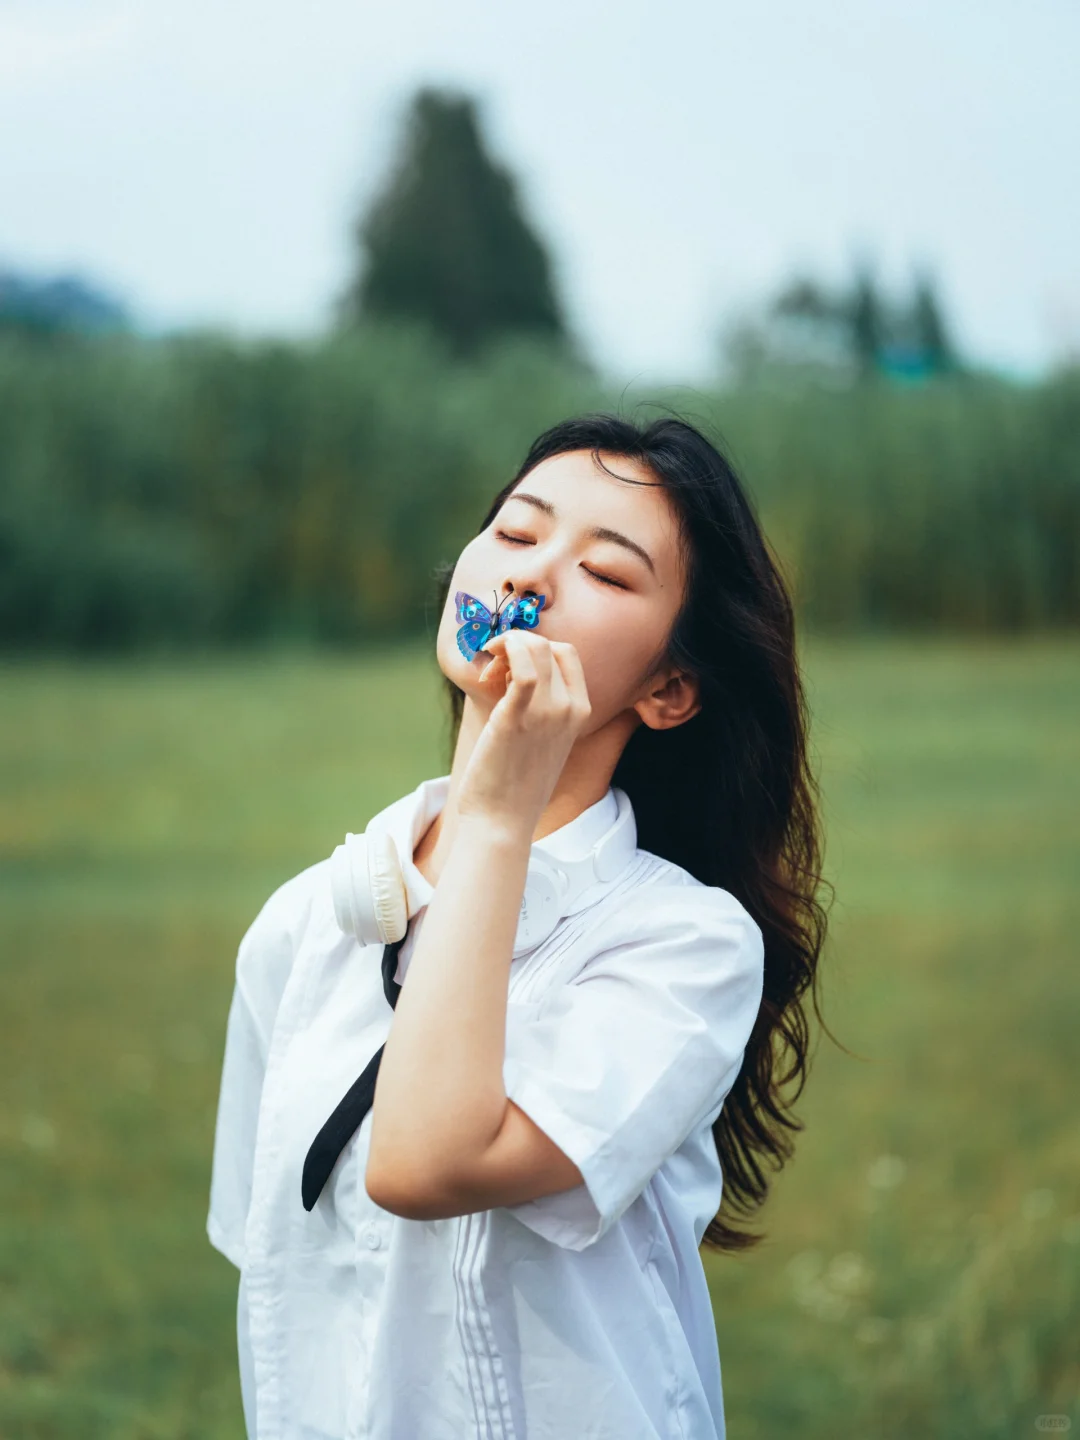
{"x": 661, "y": 901}
{"x": 667, "y": 943}
{"x": 271, "y": 940}
{"x": 293, "y": 904}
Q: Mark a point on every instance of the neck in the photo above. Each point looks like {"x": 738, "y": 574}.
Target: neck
{"x": 585, "y": 779}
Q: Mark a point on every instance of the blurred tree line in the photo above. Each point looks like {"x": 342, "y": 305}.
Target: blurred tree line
{"x": 203, "y": 489}
{"x": 843, "y": 333}
{"x": 200, "y": 489}
{"x": 64, "y": 304}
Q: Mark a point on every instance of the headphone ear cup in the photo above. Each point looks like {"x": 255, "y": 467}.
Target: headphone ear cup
{"x": 389, "y": 902}
{"x": 368, "y": 889}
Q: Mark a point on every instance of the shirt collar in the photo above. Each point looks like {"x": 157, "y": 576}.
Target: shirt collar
{"x": 407, "y": 819}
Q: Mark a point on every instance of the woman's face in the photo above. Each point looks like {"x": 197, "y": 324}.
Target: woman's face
{"x": 605, "y": 555}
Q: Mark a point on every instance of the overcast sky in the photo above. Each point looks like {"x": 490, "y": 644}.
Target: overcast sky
{"x": 205, "y": 158}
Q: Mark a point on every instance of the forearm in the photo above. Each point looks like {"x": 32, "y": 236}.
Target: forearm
{"x": 439, "y": 1098}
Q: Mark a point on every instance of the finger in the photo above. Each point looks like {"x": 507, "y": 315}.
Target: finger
{"x": 498, "y": 643}
{"x": 529, "y": 657}
{"x": 570, "y": 667}
{"x": 558, "y": 690}
{"x": 553, "y": 689}
{"x": 496, "y": 649}
{"x": 493, "y": 667}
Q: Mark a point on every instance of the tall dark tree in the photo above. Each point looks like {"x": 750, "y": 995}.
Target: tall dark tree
{"x": 929, "y": 329}
{"x": 447, "y": 242}
{"x": 868, "y": 321}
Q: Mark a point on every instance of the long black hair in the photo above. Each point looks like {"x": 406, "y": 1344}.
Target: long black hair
{"x": 729, "y": 794}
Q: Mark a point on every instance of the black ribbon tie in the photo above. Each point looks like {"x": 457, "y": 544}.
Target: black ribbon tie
{"x": 354, "y": 1105}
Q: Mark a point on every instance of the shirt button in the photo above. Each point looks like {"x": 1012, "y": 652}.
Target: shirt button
{"x": 372, "y": 1239}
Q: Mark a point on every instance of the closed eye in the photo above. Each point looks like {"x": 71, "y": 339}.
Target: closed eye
{"x": 522, "y": 540}
{"x": 604, "y": 579}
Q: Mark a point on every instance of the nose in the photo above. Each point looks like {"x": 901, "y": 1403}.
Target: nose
{"x": 525, "y": 581}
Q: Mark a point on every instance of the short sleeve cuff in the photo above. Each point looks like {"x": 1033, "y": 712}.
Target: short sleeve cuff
{"x": 573, "y": 1219}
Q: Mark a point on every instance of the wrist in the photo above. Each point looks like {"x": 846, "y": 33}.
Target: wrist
{"x": 496, "y": 832}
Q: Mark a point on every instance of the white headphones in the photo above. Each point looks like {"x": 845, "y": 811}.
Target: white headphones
{"x": 370, "y": 900}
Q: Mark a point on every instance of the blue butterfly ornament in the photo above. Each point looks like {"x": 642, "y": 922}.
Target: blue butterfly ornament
{"x": 478, "y": 624}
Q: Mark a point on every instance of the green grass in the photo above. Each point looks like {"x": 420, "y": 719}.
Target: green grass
{"x": 921, "y": 1274}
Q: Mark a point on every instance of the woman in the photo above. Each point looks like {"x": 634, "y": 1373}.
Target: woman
{"x": 505, "y": 1244}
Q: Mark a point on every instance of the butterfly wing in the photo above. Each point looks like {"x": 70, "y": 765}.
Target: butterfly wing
{"x": 474, "y": 619}
{"x": 472, "y": 637}
{"x": 527, "y": 615}
{"x": 469, "y": 608}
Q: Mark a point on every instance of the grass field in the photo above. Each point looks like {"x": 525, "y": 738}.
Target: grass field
{"x": 921, "y": 1275}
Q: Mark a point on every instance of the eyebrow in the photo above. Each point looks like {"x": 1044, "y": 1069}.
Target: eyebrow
{"x": 598, "y": 532}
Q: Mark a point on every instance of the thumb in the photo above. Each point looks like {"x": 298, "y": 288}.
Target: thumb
{"x": 493, "y": 664}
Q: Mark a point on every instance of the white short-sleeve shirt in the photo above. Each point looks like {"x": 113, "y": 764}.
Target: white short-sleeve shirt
{"x": 580, "y": 1314}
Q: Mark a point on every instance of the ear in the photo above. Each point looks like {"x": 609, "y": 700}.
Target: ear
{"x": 674, "y": 698}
